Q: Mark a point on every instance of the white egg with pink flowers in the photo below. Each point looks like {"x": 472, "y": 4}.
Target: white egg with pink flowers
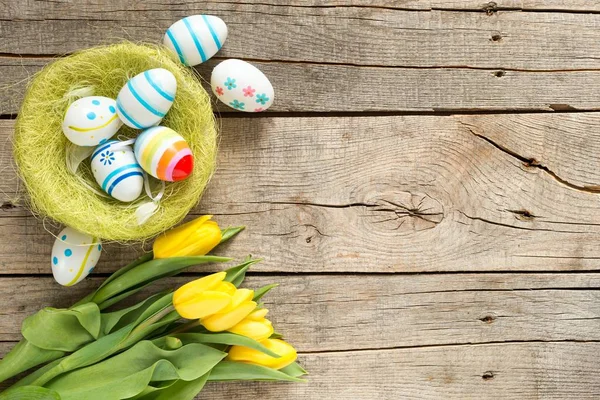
{"x": 242, "y": 86}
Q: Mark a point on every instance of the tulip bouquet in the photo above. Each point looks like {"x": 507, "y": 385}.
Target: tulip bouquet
{"x": 164, "y": 347}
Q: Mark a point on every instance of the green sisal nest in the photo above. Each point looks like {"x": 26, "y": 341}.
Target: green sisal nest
{"x": 40, "y": 146}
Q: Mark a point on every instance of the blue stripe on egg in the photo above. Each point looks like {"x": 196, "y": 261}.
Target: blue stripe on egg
{"x": 195, "y": 38}
{"x": 120, "y": 178}
{"x": 164, "y": 94}
{"x": 177, "y": 48}
{"x": 127, "y": 117}
{"x": 117, "y": 172}
{"x": 143, "y": 102}
{"x": 212, "y": 32}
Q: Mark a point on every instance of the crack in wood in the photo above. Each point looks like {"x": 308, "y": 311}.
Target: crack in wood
{"x": 530, "y": 162}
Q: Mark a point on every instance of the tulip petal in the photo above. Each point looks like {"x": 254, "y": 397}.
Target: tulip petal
{"x": 257, "y": 330}
{"x": 226, "y": 287}
{"x": 286, "y": 352}
{"x": 226, "y": 320}
{"x": 203, "y": 305}
{"x": 258, "y": 315}
{"x": 240, "y": 296}
{"x": 190, "y": 290}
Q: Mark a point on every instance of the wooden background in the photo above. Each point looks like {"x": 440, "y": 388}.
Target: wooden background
{"x": 426, "y": 187}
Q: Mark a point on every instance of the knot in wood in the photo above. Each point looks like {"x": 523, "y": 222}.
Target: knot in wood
{"x": 405, "y": 212}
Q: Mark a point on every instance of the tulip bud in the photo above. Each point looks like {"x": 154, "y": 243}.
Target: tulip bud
{"x": 241, "y": 305}
{"x": 255, "y": 326}
{"x": 195, "y": 238}
{"x": 287, "y": 354}
{"x": 203, "y": 297}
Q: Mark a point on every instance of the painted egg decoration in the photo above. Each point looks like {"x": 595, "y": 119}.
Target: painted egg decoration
{"x": 242, "y": 86}
{"x": 74, "y": 256}
{"x": 91, "y": 120}
{"x": 164, "y": 154}
{"x": 117, "y": 171}
{"x": 146, "y": 98}
{"x": 197, "y": 38}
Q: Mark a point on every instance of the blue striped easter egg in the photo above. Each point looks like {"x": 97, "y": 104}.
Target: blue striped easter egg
{"x": 197, "y": 38}
{"x": 117, "y": 171}
{"x": 146, "y": 98}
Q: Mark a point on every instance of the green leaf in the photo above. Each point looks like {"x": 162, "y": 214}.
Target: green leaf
{"x": 237, "y": 274}
{"x": 237, "y": 371}
{"x": 229, "y": 339}
{"x": 30, "y": 393}
{"x": 49, "y": 327}
{"x": 180, "y": 390}
{"x": 118, "y": 319}
{"x": 129, "y": 373}
{"x": 276, "y": 335}
{"x": 230, "y": 232}
{"x": 147, "y": 272}
{"x": 141, "y": 260}
{"x": 294, "y": 370}
{"x": 23, "y": 357}
{"x": 259, "y": 293}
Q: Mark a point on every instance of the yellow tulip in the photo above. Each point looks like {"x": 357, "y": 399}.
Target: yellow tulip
{"x": 254, "y": 326}
{"x": 203, "y": 297}
{"x": 241, "y": 305}
{"x": 195, "y": 238}
{"x": 286, "y": 352}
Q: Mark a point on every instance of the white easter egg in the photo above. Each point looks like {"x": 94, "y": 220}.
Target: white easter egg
{"x": 146, "y": 98}
{"x": 74, "y": 256}
{"x": 91, "y": 120}
{"x": 197, "y": 38}
{"x": 117, "y": 171}
{"x": 242, "y": 86}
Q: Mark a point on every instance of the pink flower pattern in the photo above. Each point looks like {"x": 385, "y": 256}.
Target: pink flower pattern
{"x": 219, "y": 90}
{"x": 259, "y": 109}
{"x": 248, "y": 92}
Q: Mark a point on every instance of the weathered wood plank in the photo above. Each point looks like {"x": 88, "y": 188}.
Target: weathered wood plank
{"x": 373, "y": 36}
{"x": 514, "y": 371}
{"x": 335, "y": 313}
{"x": 408, "y": 5}
{"x": 344, "y": 88}
{"x": 384, "y": 194}
{"x": 510, "y": 370}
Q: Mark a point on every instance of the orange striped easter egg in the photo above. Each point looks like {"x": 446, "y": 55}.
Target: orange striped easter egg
{"x": 164, "y": 154}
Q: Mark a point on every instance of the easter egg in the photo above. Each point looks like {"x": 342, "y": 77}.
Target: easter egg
{"x": 242, "y": 86}
{"x": 74, "y": 256}
{"x": 164, "y": 154}
{"x": 197, "y": 38}
{"x": 117, "y": 171}
{"x": 91, "y": 120}
{"x": 146, "y": 98}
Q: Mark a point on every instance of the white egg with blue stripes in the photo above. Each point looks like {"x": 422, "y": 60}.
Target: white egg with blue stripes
{"x": 74, "y": 256}
{"x": 196, "y": 38}
{"x": 146, "y": 98}
{"x": 117, "y": 171}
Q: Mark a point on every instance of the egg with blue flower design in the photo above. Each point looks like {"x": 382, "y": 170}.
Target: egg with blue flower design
{"x": 117, "y": 171}
{"x": 91, "y": 120}
{"x": 74, "y": 256}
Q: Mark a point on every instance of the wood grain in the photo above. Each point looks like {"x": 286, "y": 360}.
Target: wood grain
{"x": 339, "y": 313}
{"x": 385, "y": 194}
{"x": 368, "y": 36}
{"x": 303, "y": 87}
